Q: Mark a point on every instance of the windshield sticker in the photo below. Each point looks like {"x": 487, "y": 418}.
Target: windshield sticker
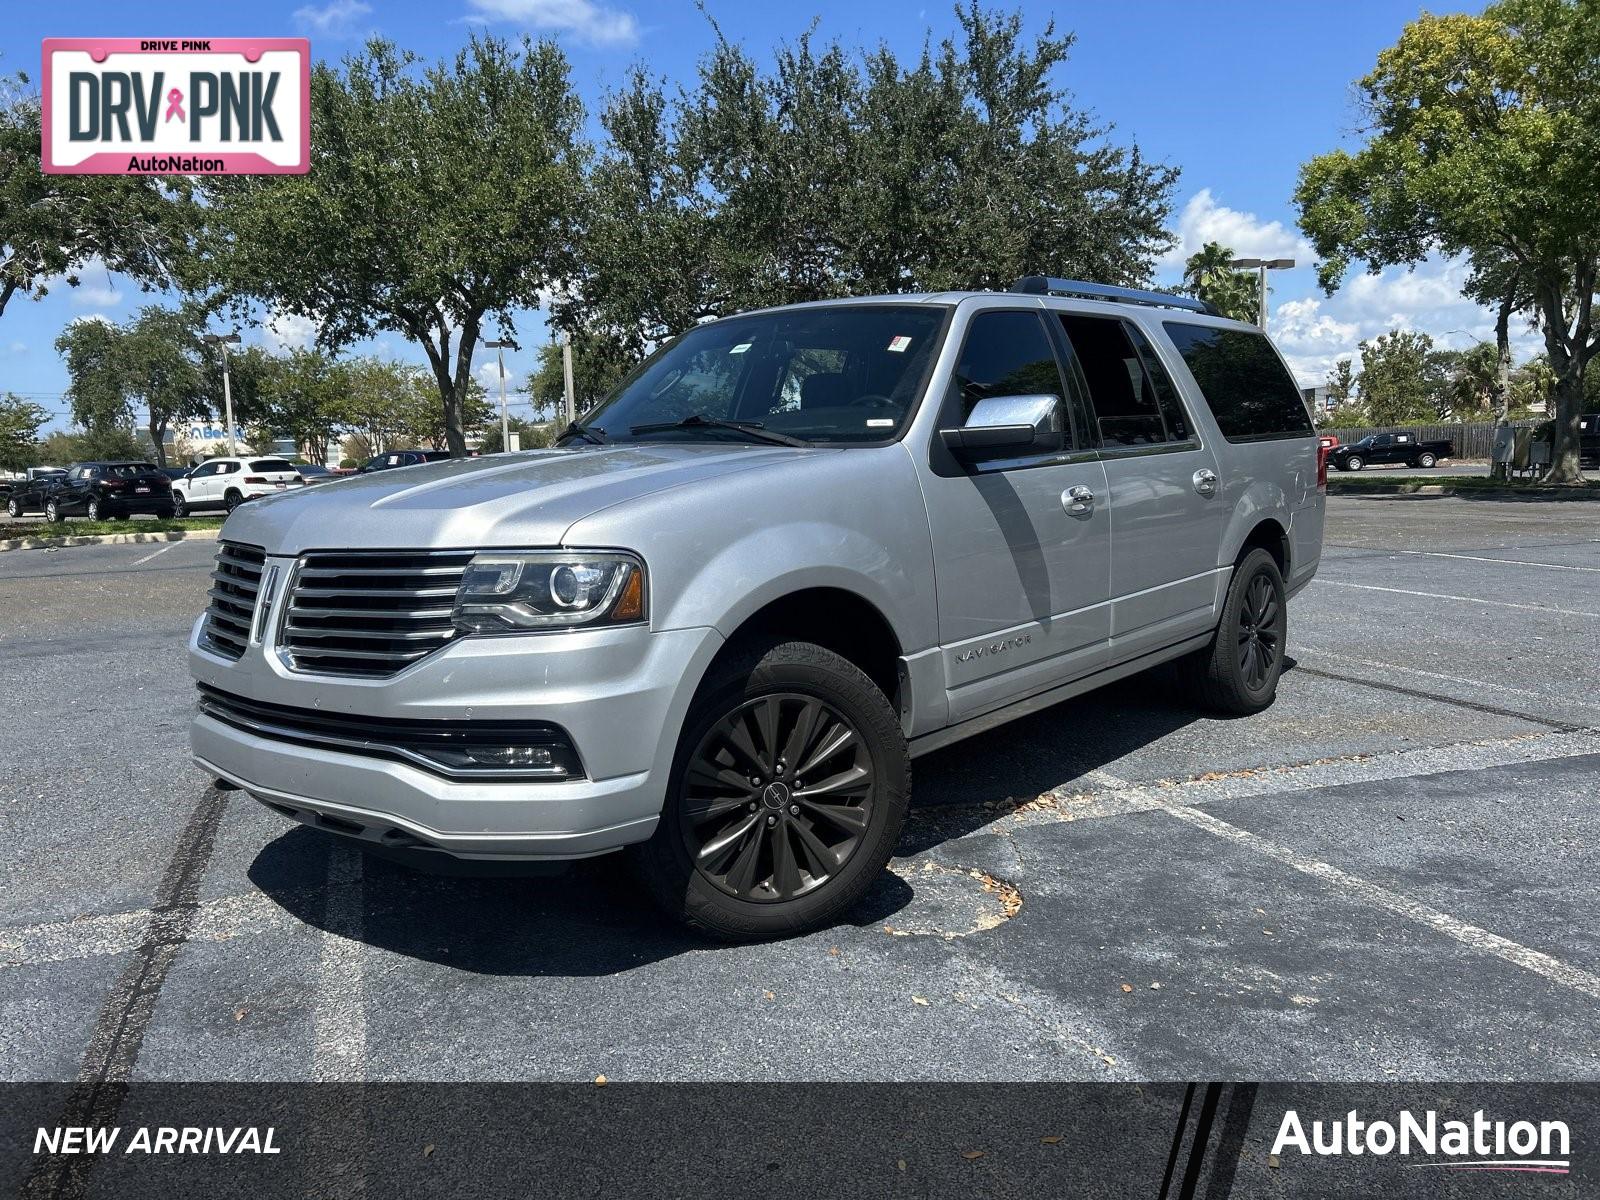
{"x": 741, "y": 348}
{"x": 880, "y": 422}
{"x": 898, "y": 344}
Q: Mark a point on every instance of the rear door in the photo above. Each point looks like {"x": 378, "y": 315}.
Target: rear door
{"x": 1021, "y": 546}
{"x": 1164, "y": 490}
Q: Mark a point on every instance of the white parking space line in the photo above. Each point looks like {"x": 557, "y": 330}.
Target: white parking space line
{"x": 1335, "y": 657}
{"x": 1509, "y": 562}
{"x": 1369, "y": 587}
{"x": 1472, "y": 936}
{"x": 156, "y": 553}
{"x": 340, "y": 1052}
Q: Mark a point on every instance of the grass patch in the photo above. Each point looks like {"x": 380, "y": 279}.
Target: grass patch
{"x": 44, "y": 529}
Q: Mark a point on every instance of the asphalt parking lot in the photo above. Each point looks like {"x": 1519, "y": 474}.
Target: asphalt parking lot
{"x": 1391, "y": 874}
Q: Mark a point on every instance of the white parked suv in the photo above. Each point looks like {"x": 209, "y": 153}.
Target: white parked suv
{"x": 227, "y": 483}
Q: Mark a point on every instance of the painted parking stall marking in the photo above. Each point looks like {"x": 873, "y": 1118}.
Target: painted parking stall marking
{"x": 170, "y": 106}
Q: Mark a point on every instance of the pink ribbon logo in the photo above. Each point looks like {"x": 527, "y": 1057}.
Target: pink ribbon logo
{"x": 175, "y": 105}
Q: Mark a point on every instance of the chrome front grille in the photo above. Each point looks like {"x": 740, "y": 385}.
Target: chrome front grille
{"x": 370, "y": 612}
{"x": 235, "y": 581}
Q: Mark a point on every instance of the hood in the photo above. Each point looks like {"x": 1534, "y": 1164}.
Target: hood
{"x": 527, "y": 499}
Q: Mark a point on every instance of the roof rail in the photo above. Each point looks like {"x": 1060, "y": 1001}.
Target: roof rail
{"x": 1042, "y": 285}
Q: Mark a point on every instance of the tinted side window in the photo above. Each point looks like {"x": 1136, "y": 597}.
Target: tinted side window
{"x": 1177, "y": 421}
{"x": 1124, "y": 398}
{"x": 1005, "y": 354}
{"x": 1244, "y": 382}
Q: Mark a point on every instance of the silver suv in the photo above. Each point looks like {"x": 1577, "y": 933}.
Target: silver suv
{"x": 794, "y": 550}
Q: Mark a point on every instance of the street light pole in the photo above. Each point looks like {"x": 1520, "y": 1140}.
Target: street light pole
{"x": 1262, "y": 266}
{"x": 505, "y": 421}
{"x": 566, "y": 378}
{"x": 222, "y": 342}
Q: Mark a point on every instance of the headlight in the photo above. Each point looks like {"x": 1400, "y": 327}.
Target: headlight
{"x": 547, "y": 589}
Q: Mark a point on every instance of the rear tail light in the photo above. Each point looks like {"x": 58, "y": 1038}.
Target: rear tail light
{"x": 112, "y": 485}
{"x": 1322, "y": 467}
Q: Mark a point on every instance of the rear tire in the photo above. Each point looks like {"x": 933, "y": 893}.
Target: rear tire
{"x": 1238, "y": 674}
{"x": 1426, "y": 461}
{"x": 749, "y": 848}
{"x": 52, "y": 511}
{"x": 95, "y": 511}
{"x": 232, "y": 500}
{"x": 13, "y": 509}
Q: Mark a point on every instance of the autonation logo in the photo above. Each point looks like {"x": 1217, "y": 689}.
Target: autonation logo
{"x": 1480, "y": 1144}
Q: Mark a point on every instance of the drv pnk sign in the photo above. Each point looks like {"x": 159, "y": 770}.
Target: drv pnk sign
{"x": 177, "y": 106}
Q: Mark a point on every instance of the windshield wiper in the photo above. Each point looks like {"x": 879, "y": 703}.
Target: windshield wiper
{"x": 752, "y": 429}
{"x": 589, "y": 433}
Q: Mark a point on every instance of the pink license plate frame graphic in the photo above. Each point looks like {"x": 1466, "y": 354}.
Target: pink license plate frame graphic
{"x": 218, "y": 162}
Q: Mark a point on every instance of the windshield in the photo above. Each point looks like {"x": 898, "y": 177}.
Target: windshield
{"x": 839, "y": 374}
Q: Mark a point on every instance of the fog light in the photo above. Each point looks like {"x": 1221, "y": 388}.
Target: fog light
{"x": 509, "y": 756}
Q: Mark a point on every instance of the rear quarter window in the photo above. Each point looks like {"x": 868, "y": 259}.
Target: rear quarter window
{"x": 1243, "y": 381}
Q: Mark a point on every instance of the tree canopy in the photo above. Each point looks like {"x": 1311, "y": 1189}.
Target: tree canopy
{"x": 439, "y": 198}
{"x": 1233, "y": 293}
{"x": 1483, "y": 140}
{"x": 831, "y": 173}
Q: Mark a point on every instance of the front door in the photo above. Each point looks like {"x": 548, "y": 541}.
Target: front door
{"x": 1021, "y": 545}
{"x": 1166, "y": 503}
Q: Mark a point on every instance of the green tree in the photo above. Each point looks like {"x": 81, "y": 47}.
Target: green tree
{"x": 1400, "y": 381}
{"x": 1470, "y": 379}
{"x": 20, "y": 422}
{"x": 831, "y": 174}
{"x": 51, "y": 226}
{"x": 165, "y": 371}
{"x": 302, "y": 397}
{"x": 1485, "y": 132}
{"x": 1207, "y": 276}
{"x": 438, "y": 199}
{"x": 95, "y": 351}
{"x": 599, "y": 362}
{"x": 1341, "y": 384}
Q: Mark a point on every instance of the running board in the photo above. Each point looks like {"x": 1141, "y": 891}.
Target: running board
{"x": 994, "y": 718}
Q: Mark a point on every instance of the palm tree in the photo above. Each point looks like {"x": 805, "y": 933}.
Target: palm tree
{"x": 1208, "y": 277}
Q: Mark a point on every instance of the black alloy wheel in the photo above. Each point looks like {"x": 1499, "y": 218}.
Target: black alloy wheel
{"x": 777, "y": 797}
{"x": 1260, "y": 641}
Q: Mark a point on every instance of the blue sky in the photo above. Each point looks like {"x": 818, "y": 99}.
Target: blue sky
{"x": 1236, "y": 92}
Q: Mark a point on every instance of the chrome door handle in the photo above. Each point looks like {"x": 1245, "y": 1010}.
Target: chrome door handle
{"x": 1077, "y": 500}
{"x": 1205, "y": 481}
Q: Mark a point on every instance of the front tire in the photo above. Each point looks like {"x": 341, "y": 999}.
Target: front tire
{"x": 180, "y": 506}
{"x": 1238, "y": 674}
{"x": 788, "y": 791}
{"x": 1354, "y": 463}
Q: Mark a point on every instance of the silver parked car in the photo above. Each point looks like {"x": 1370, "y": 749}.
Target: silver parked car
{"x": 795, "y": 549}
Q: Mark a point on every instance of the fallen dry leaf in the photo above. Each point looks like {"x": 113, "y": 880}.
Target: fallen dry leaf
{"x": 1127, "y": 987}
{"x": 599, "y": 1081}
{"x": 834, "y": 951}
{"x": 770, "y": 995}
{"x": 919, "y": 1000}
{"x": 971, "y": 1155}
{"x": 1273, "y": 1160}
{"x": 238, "y": 1013}
{"x": 1051, "y": 1140}
{"x": 900, "y": 1164}
{"x": 427, "y": 1151}
{"x": 1155, "y": 987}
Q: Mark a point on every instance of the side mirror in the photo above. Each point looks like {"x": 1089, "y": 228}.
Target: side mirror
{"x": 1000, "y": 424}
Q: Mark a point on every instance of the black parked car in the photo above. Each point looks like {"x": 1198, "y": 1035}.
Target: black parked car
{"x": 28, "y": 495}
{"x": 110, "y": 489}
{"x": 401, "y": 458}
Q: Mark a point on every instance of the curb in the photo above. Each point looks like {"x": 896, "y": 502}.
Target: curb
{"x": 1475, "y": 493}
{"x": 108, "y": 539}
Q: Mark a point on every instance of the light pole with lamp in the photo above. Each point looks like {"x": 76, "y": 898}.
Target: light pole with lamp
{"x": 500, "y": 349}
{"x": 222, "y": 341}
{"x": 1263, "y": 265}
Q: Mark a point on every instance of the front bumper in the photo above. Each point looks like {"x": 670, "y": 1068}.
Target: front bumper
{"x": 620, "y": 695}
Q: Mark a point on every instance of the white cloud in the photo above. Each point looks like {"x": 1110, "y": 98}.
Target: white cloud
{"x": 95, "y": 288}
{"x": 288, "y": 331}
{"x": 17, "y": 348}
{"x": 488, "y": 374}
{"x": 335, "y": 19}
{"x": 1205, "y": 220}
{"x": 588, "y": 22}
